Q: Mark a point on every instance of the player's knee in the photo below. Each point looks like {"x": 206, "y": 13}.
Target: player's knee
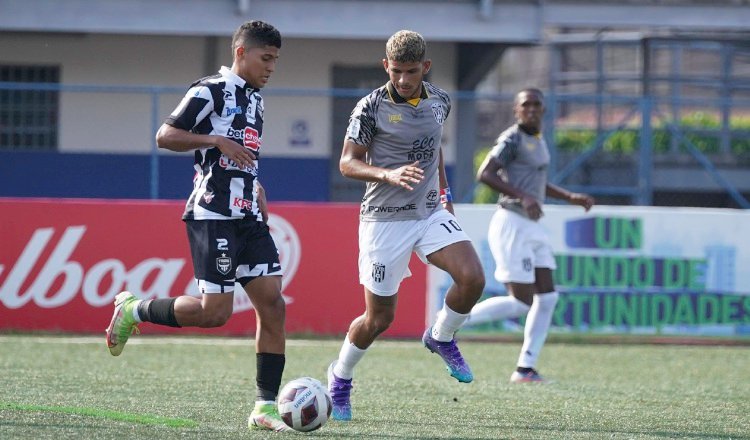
{"x": 471, "y": 279}
{"x": 274, "y": 308}
{"x": 381, "y": 322}
{"x": 216, "y": 319}
{"x": 277, "y": 309}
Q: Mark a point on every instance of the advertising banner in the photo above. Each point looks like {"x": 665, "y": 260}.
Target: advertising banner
{"x": 643, "y": 270}
{"x": 63, "y": 261}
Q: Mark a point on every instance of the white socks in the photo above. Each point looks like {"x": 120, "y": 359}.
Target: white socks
{"x": 497, "y": 308}
{"x": 136, "y": 316}
{"x": 349, "y": 356}
{"x": 447, "y": 323}
{"x": 537, "y": 327}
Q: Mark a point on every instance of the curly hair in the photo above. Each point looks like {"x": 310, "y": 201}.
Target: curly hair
{"x": 406, "y": 47}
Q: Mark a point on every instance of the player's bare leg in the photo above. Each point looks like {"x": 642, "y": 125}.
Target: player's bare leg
{"x": 212, "y": 310}
{"x": 461, "y": 262}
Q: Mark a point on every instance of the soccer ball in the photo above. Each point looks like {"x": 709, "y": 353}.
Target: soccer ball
{"x": 304, "y": 404}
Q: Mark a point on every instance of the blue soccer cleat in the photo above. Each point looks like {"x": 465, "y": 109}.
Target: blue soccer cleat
{"x": 454, "y": 362}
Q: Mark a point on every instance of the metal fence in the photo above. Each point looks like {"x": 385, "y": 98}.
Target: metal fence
{"x": 609, "y": 145}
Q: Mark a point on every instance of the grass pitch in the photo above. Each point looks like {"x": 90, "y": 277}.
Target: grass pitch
{"x": 203, "y": 388}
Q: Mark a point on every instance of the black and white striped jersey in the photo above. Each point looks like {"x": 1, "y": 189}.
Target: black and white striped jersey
{"x": 222, "y": 104}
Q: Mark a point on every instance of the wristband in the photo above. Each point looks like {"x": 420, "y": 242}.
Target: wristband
{"x": 445, "y": 195}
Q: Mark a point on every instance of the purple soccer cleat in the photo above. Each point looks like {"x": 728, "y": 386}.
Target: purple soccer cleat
{"x": 340, "y": 390}
{"x": 454, "y": 362}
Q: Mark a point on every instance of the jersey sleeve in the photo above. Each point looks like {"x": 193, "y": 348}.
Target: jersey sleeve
{"x": 194, "y": 108}
{"x": 362, "y": 122}
{"x": 506, "y": 147}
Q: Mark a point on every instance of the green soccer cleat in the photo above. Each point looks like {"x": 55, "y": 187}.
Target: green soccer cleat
{"x": 266, "y": 416}
{"x": 123, "y": 323}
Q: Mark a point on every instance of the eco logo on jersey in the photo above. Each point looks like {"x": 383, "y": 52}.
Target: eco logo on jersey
{"x": 422, "y": 149}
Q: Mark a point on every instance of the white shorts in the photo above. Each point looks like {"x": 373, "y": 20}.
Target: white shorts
{"x": 385, "y": 248}
{"x": 519, "y": 245}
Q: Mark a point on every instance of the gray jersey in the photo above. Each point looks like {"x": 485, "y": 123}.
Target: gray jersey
{"x": 397, "y": 133}
{"x": 524, "y": 159}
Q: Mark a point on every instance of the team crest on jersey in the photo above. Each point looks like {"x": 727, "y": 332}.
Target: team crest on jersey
{"x": 378, "y": 272}
{"x": 224, "y": 264}
{"x": 527, "y": 266}
{"x": 439, "y": 112}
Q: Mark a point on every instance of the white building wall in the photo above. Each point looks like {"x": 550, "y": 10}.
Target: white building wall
{"x": 122, "y": 122}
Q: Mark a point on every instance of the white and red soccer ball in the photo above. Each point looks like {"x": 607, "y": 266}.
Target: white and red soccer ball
{"x": 304, "y": 404}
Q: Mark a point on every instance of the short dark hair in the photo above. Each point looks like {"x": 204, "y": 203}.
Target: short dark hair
{"x": 529, "y": 90}
{"x": 256, "y": 33}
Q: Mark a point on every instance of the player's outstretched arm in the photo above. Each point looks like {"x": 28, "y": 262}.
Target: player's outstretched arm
{"x": 580, "y": 199}
{"x": 352, "y": 164}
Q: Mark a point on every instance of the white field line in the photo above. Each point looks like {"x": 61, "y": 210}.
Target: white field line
{"x": 184, "y": 340}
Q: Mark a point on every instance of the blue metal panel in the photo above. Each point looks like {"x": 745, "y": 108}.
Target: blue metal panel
{"x": 111, "y": 176}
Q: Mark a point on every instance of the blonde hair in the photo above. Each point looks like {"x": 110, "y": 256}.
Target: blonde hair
{"x": 406, "y": 47}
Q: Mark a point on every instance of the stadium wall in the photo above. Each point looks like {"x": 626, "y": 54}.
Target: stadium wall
{"x": 120, "y": 121}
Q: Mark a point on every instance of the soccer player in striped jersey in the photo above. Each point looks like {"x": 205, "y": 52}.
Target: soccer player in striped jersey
{"x": 393, "y": 143}
{"x": 516, "y": 167}
{"x": 221, "y": 120}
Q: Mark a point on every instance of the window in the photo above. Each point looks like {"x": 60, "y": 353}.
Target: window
{"x": 28, "y": 118}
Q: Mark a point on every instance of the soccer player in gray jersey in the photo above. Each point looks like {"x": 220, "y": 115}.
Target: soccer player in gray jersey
{"x": 221, "y": 120}
{"x": 393, "y": 144}
{"x": 516, "y": 167}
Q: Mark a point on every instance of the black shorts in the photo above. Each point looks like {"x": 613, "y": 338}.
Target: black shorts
{"x": 227, "y": 250}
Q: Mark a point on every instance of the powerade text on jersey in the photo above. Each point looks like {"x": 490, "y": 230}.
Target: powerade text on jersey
{"x": 225, "y": 105}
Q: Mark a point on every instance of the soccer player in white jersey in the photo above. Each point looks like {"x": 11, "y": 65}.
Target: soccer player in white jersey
{"x": 221, "y": 120}
{"x": 516, "y": 167}
{"x": 393, "y": 143}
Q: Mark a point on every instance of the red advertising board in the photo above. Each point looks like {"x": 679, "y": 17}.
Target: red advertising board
{"x": 63, "y": 261}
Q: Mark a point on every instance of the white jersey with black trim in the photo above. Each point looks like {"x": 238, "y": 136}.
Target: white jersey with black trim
{"x": 398, "y": 132}
{"x": 225, "y": 105}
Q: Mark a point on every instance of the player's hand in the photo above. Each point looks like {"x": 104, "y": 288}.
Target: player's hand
{"x": 236, "y": 152}
{"x": 532, "y": 207}
{"x": 262, "y": 203}
{"x": 584, "y": 200}
{"x": 405, "y": 176}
